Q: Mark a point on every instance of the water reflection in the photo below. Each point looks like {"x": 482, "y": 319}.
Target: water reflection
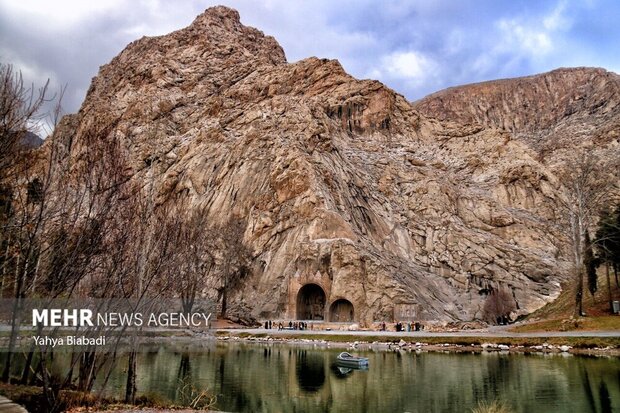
{"x": 587, "y": 386}
{"x": 605, "y": 399}
{"x": 278, "y": 378}
{"x": 340, "y": 372}
{"x": 185, "y": 369}
{"x": 310, "y": 369}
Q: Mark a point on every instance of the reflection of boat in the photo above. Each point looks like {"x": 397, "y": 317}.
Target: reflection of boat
{"x": 345, "y": 359}
{"x": 341, "y": 372}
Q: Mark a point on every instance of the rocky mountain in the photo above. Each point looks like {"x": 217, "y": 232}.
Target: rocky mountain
{"x": 31, "y": 140}
{"x": 359, "y": 204}
{"x": 552, "y": 111}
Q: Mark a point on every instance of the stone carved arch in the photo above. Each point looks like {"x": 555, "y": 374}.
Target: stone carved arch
{"x": 341, "y": 311}
{"x": 311, "y": 302}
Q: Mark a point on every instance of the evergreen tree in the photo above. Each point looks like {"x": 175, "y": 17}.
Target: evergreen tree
{"x": 590, "y": 262}
{"x": 615, "y": 245}
{"x": 608, "y": 240}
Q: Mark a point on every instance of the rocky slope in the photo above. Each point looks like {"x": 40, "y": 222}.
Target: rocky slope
{"x": 552, "y": 111}
{"x": 343, "y": 182}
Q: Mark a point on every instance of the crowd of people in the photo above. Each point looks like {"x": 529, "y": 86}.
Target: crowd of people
{"x": 292, "y": 325}
{"x": 408, "y": 326}
{"x": 302, "y": 325}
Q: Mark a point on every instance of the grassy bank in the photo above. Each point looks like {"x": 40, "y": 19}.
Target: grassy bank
{"x": 558, "y": 315}
{"x": 601, "y": 323}
{"x": 594, "y": 305}
{"x": 34, "y": 400}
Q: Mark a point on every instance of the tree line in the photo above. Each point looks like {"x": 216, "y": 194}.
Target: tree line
{"x": 74, "y": 224}
{"x": 586, "y": 227}
{"x": 589, "y": 203}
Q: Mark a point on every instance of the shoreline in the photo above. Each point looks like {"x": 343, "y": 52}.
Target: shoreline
{"x": 579, "y": 342}
{"x": 520, "y": 344}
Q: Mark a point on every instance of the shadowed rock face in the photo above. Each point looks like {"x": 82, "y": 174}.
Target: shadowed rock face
{"x": 343, "y": 182}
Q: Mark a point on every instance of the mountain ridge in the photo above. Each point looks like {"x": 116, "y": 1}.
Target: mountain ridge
{"x": 537, "y": 108}
{"x": 342, "y": 183}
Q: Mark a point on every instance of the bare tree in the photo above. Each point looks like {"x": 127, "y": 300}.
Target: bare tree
{"x": 235, "y": 259}
{"x": 74, "y": 220}
{"x": 62, "y": 222}
{"x": 24, "y": 193}
{"x": 588, "y": 185}
{"x": 19, "y": 110}
{"x": 498, "y": 305}
{"x": 154, "y": 247}
{"x": 194, "y": 258}
{"x": 137, "y": 244}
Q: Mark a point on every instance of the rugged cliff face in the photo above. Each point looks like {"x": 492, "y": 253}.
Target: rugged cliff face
{"x": 552, "y": 111}
{"x": 389, "y": 205}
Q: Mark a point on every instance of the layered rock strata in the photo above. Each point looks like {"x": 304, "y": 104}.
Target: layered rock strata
{"x": 403, "y": 210}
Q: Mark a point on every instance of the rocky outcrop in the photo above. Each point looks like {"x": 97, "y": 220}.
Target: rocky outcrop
{"x": 552, "y": 111}
{"x": 343, "y": 182}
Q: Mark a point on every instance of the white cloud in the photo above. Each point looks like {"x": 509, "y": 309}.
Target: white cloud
{"x": 304, "y": 29}
{"x": 374, "y": 73}
{"x": 57, "y": 13}
{"x": 455, "y": 42}
{"x": 412, "y": 66}
{"x": 556, "y": 19}
{"x": 523, "y": 38}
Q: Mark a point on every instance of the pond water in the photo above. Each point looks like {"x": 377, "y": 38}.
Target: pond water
{"x": 282, "y": 378}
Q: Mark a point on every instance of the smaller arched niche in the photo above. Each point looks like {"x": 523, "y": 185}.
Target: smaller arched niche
{"x": 341, "y": 311}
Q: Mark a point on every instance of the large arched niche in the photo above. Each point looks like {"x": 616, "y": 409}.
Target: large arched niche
{"x": 341, "y": 311}
{"x": 311, "y": 303}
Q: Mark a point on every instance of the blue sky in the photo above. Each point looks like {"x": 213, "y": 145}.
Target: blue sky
{"x": 415, "y": 47}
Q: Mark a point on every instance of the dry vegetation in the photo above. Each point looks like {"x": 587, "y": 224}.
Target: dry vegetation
{"x": 493, "y": 407}
{"x": 75, "y": 226}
